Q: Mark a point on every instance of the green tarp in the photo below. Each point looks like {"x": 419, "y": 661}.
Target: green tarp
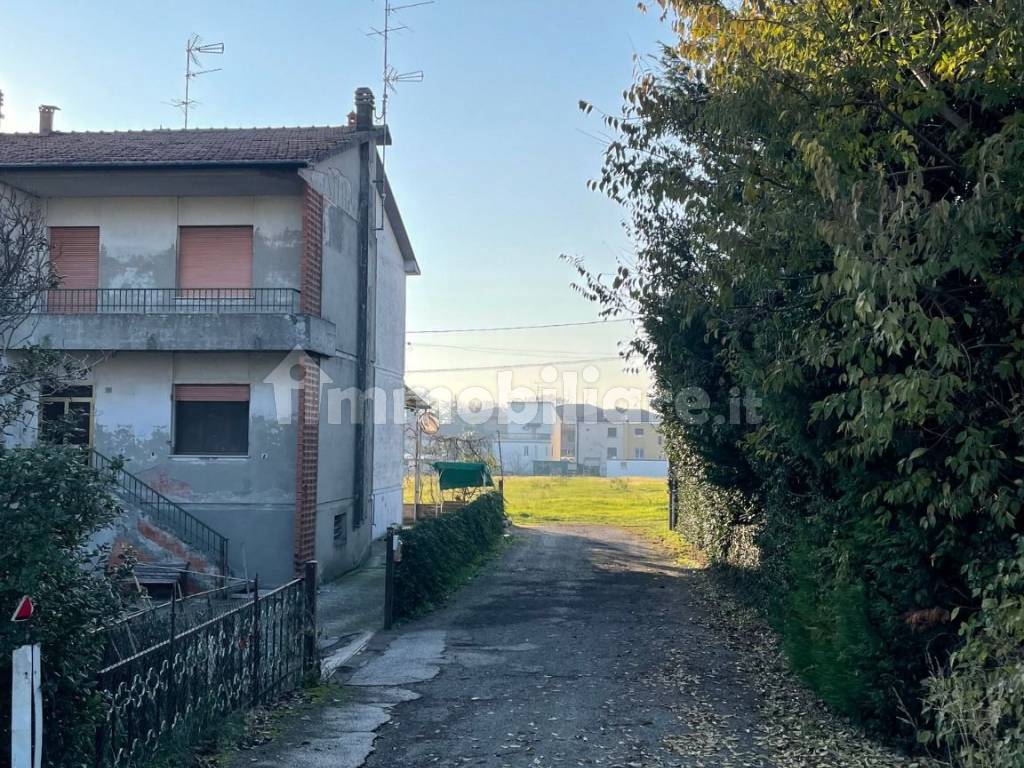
{"x": 462, "y": 474}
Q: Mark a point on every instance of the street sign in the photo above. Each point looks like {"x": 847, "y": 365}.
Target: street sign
{"x": 24, "y": 610}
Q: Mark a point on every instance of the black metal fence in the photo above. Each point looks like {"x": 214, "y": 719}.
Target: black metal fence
{"x": 187, "y": 527}
{"x": 189, "y": 301}
{"x": 248, "y": 649}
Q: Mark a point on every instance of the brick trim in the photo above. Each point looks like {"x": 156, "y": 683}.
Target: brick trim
{"x": 306, "y": 464}
{"x": 312, "y": 250}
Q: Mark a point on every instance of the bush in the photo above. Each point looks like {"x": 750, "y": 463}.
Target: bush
{"x": 976, "y": 704}
{"x": 51, "y": 503}
{"x": 439, "y": 553}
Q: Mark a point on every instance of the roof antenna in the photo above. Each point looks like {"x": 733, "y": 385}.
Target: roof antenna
{"x": 193, "y": 49}
{"x": 1, "y": 105}
{"x": 391, "y": 78}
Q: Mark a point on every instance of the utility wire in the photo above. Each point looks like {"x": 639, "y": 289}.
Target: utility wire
{"x": 509, "y": 350}
{"x": 516, "y": 365}
{"x": 525, "y": 327}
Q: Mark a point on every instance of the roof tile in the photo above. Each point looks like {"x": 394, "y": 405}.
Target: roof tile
{"x": 195, "y": 146}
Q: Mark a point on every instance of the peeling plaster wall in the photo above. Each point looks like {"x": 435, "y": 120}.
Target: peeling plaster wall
{"x": 389, "y": 434}
{"x": 248, "y": 499}
{"x": 139, "y": 235}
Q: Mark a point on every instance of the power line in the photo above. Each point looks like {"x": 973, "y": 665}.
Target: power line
{"x": 508, "y": 350}
{"x": 516, "y": 365}
{"x": 526, "y": 327}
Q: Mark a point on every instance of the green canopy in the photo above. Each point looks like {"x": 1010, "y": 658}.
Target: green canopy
{"x": 462, "y": 474}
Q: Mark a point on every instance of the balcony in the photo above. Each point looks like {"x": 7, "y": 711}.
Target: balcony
{"x": 170, "y": 301}
{"x": 177, "y": 319}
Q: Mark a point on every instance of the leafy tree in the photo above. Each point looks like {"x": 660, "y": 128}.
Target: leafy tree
{"x": 26, "y": 275}
{"x": 827, "y": 201}
{"x": 52, "y": 503}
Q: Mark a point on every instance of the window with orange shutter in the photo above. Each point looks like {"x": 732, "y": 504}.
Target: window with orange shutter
{"x": 212, "y": 258}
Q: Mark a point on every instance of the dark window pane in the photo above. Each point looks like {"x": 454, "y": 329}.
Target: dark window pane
{"x": 84, "y": 390}
{"x": 78, "y": 423}
{"x": 211, "y": 428}
{"x": 51, "y": 421}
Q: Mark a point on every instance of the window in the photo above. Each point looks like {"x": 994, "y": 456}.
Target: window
{"x": 612, "y": 453}
{"x": 613, "y": 432}
{"x": 75, "y": 257}
{"x": 211, "y": 419}
{"x": 341, "y": 529}
{"x": 639, "y": 431}
{"x": 526, "y": 450}
{"x": 65, "y": 416}
{"x": 214, "y": 257}
{"x": 638, "y": 453}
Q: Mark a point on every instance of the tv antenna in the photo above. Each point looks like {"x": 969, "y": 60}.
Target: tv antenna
{"x": 1, "y": 105}
{"x": 392, "y": 77}
{"x": 193, "y": 69}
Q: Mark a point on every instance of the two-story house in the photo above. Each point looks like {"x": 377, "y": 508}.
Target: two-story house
{"x": 232, "y": 293}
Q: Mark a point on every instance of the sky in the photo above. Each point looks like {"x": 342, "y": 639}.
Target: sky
{"x": 490, "y": 159}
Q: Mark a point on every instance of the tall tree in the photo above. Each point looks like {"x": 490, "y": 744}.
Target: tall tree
{"x": 827, "y": 198}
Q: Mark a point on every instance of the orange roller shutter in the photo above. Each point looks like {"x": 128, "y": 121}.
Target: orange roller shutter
{"x": 214, "y": 257}
{"x": 212, "y": 393}
{"x": 75, "y": 255}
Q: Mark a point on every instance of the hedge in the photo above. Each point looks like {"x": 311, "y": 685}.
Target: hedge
{"x": 439, "y": 553}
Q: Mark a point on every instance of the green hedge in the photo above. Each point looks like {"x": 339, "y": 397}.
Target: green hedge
{"x": 438, "y": 554}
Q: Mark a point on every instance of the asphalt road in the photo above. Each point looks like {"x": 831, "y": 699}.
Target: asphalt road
{"x": 579, "y": 646}
{"x": 559, "y": 655}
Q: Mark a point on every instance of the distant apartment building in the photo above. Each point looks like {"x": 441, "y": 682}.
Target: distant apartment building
{"x": 229, "y": 290}
{"x": 611, "y": 442}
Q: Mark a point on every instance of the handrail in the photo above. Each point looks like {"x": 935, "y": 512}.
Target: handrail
{"x": 173, "y": 301}
{"x": 183, "y": 524}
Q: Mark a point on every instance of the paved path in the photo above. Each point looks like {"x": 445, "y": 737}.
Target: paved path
{"x": 580, "y": 647}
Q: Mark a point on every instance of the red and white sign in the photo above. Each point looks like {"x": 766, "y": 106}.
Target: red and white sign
{"x": 24, "y": 610}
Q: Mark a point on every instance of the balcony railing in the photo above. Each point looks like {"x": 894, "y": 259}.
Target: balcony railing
{"x": 174, "y": 301}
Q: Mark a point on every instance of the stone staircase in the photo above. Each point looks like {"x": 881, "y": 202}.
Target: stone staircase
{"x": 174, "y": 549}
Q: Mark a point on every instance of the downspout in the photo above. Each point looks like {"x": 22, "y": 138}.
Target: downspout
{"x": 366, "y": 318}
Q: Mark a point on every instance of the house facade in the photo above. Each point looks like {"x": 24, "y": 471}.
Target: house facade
{"x": 613, "y": 442}
{"x": 232, "y": 294}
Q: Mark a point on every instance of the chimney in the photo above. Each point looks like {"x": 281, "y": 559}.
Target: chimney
{"x": 364, "y": 109}
{"x": 352, "y": 119}
{"x": 46, "y": 119}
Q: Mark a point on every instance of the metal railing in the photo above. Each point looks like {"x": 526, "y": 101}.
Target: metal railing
{"x": 190, "y": 529}
{"x": 197, "y": 669}
{"x": 172, "y": 301}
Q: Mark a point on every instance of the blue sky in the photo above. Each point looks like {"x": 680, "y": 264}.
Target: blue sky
{"x": 491, "y": 153}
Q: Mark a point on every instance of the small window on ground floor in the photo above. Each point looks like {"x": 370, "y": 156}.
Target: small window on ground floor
{"x": 341, "y": 529}
{"x": 211, "y": 419}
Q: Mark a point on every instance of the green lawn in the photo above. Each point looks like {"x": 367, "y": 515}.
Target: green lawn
{"x": 639, "y": 504}
{"x": 636, "y": 502}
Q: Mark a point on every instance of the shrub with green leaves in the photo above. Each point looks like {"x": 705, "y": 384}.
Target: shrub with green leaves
{"x": 439, "y": 553}
{"x": 977, "y": 704}
{"x": 827, "y": 200}
{"x": 51, "y": 503}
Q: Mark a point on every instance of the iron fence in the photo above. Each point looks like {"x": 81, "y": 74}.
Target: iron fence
{"x": 187, "y": 527}
{"x": 179, "y": 689}
{"x": 186, "y": 301}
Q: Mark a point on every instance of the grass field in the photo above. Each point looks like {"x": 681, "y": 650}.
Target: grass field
{"x": 639, "y": 504}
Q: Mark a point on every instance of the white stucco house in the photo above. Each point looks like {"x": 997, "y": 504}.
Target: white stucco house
{"x": 232, "y": 291}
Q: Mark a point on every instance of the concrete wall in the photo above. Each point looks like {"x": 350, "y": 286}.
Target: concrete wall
{"x": 250, "y": 499}
{"x": 389, "y": 431}
{"x": 633, "y": 468}
{"x": 139, "y": 235}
